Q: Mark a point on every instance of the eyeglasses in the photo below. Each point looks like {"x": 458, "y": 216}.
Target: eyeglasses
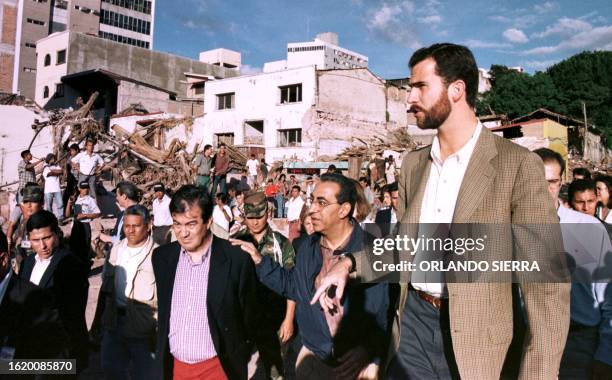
{"x": 321, "y": 203}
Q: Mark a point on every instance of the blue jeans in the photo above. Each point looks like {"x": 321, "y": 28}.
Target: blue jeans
{"x": 219, "y": 179}
{"x": 118, "y": 352}
{"x": 280, "y": 205}
{"x": 55, "y": 198}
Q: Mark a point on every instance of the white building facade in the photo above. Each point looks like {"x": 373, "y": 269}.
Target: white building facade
{"x": 300, "y": 113}
{"x": 323, "y": 52}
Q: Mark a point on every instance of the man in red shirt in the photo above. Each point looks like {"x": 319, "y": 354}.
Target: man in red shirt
{"x": 222, "y": 162}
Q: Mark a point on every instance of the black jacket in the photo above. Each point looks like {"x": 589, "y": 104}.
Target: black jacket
{"x": 230, "y": 304}
{"x": 29, "y": 322}
{"x": 66, "y": 281}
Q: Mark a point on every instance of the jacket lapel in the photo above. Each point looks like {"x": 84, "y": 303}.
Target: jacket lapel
{"x": 217, "y": 276}
{"x": 48, "y": 275}
{"x": 478, "y": 178}
{"x": 172, "y": 259}
{"x": 418, "y": 183}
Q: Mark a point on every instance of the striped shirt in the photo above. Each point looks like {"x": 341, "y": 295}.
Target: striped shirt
{"x": 189, "y": 336}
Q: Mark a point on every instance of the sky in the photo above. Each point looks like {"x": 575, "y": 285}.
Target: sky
{"x": 533, "y": 35}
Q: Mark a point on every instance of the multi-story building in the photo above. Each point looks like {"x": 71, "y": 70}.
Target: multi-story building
{"x": 125, "y": 21}
{"x": 324, "y": 53}
{"x": 75, "y": 65}
{"x": 300, "y": 113}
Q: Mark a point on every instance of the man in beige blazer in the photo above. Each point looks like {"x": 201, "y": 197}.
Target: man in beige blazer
{"x": 469, "y": 175}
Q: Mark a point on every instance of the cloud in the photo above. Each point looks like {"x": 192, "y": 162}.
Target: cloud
{"x": 500, "y": 18}
{"x": 515, "y": 36}
{"x": 565, "y": 27}
{"x": 389, "y": 23}
{"x": 476, "y": 44}
{"x": 546, "y": 7}
{"x": 433, "y": 19}
{"x": 599, "y": 38}
{"x": 196, "y": 15}
{"x": 538, "y": 65}
{"x": 248, "y": 69}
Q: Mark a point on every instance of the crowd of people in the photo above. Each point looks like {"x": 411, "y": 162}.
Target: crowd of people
{"x": 203, "y": 285}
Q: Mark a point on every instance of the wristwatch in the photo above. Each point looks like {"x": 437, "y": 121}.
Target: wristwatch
{"x": 353, "y": 261}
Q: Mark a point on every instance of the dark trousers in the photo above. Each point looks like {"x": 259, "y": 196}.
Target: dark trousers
{"x": 71, "y": 188}
{"x": 219, "y": 181}
{"x": 161, "y": 234}
{"x": 577, "y": 360}
{"x": 426, "y": 350}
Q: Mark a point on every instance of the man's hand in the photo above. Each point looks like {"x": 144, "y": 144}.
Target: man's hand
{"x": 369, "y": 373}
{"x": 286, "y": 330}
{"x": 248, "y": 248}
{"x": 352, "y": 363}
{"x": 601, "y": 371}
{"x": 337, "y": 276}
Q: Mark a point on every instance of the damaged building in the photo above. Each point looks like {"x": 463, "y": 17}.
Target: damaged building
{"x": 301, "y": 113}
{"x": 71, "y": 66}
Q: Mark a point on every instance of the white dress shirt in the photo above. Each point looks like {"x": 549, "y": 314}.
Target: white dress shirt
{"x": 161, "y": 212}
{"x": 441, "y": 192}
{"x": 39, "y": 269}
{"x": 294, "y": 208}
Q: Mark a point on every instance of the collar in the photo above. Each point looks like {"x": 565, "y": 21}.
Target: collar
{"x": 462, "y": 155}
{"x": 204, "y": 256}
{"x": 41, "y": 260}
{"x": 353, "y": 243}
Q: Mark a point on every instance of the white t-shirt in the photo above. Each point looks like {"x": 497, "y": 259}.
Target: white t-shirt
{"x": 87, "y": 163}
{"x": 219, "y": 218}
{"x": 252, "y": 164}
{"x": 88, "y": 206}
{"x": 294, "y": 208}
{"x": 161, "y": 212}
{"x": 52, "y": 182}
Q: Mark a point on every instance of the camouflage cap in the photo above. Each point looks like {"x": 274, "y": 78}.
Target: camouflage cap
{"x": 32, "y": 194}
{"x": 255, "y": 204}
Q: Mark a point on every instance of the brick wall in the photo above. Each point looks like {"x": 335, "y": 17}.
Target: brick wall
{"x": 9, "y": 24}
{"x": 7, "y": 37}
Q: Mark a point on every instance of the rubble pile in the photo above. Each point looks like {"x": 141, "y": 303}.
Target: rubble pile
{"x": 396, "y": 140}
{"x": 170, "y": 165}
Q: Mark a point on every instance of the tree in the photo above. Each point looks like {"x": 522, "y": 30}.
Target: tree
{"x": 585, "y": 77}
{"x": 516, "y": 94}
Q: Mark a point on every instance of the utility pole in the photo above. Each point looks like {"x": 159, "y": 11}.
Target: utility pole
{"x": 586, "y": 130}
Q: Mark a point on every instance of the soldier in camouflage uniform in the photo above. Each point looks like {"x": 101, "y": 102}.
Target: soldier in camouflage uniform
{"x": 277, "y": 313}
{"x": 31, "y": 202}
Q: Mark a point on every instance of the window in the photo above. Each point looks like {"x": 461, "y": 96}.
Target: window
{"x": 29, "y": 70}
{"x": 47, "y": 60}
{"x": 30, "y": 45}
{"x": 225, "y": 101}
{"x": 291, "y": 93}
{"x": 46, "y": 92}
{"x": 61, "y": 57}
{"x": 198, "y": 88}
{"x": 35, "y": 22}
{"x": 290, "y": 137}
{"x": 59, "y": 90}
{"x": 227, "y": 138}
